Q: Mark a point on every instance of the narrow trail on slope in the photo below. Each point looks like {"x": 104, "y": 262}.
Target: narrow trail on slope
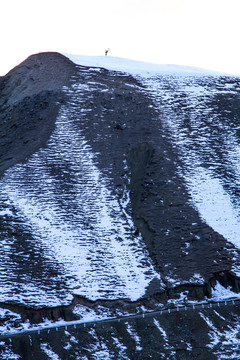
{"x": 71, "y": 325}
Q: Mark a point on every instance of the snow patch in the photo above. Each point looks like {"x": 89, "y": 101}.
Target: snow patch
{"x": 88, "y": 314}
{"x": 121, "y": 348}
{"x": 46, "y": 348}
{"x": 220, "y": 293}
{"x": 224, "y": 343}
{"x": 137, "y": 67}
{"x": 8, "y": 354}
{"x": 196, "y": 279}
{"x": 6, "y": 212}
{"x": 214, "y": 204}
{"x": 135, "y": 336}
{"x": 98, "y": 349}
{"x": 167, "y": 346}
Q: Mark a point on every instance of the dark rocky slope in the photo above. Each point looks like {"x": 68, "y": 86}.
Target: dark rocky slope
{"x": 131, "y": 132}
{"x": 131, "y": 148}
{"x": 30, "y": 96}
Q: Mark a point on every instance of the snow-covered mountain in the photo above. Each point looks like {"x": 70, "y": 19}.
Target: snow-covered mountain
{"x": 118, "y": 194}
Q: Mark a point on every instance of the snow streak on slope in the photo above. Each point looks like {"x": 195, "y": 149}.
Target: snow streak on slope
{"x": 74, "y": 223}
{"x": 199, "y": 117}
{"x": 224, "y": 343}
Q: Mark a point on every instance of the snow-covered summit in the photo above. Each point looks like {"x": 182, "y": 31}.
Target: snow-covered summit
{"x": 138, "y": 67}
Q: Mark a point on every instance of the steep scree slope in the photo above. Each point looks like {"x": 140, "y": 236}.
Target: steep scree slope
{"x": 30, "y": 95}
{"x": 95, "y": 204}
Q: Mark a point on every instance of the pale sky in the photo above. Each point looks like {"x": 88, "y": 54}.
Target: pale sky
{"x": 202, "y": 33}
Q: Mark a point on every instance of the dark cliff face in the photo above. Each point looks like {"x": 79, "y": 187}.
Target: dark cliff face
{"x": 131, "y": 153}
